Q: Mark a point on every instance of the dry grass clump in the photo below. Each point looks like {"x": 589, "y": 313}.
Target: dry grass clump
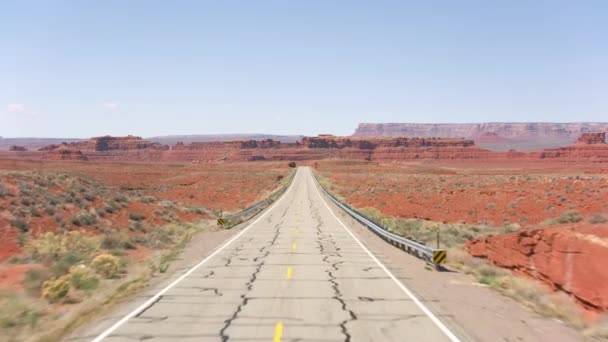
{"x": 17, "y": 314}
{"x": 570, "y": 216}
{"x": 424, "y": 231}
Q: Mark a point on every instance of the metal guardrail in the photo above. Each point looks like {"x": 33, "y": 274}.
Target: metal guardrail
{"x": 249, "y": 212}
{"x": 431, "y": 255}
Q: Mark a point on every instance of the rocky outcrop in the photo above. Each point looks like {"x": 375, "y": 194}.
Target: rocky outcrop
{"x": 473, "y": 130}
{"x": 565, "y": 258}
{"x": 65, "y": 154}
{"x": 16, "y": 148}
{"x": 592, "y": 138}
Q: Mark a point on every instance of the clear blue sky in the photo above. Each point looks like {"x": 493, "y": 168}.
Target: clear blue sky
{"x": 84, "y": 68}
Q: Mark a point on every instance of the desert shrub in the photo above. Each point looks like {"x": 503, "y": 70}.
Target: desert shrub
{"x": 62, "y": 264}
{"x": 26, "y": 201}
{"x": 34, "y": 212}
{"x": 137, "y": 226}
{"x": 100, "y": 212}
{"x": 84, "y": 219}
{"x": 148, "y": 199}
{"x": 75, "y": 242}
{"x": 89, "y": 197}
{"x": 112, "y": 207}
{"x": 55, "y": 289}
{"x": 107, "y": 265}
{"x": 121, "y": 198}
{"x": 292, "y": 164}
{"x": 137, "y": 217}
{"x": 83, "y": 278}
{"x": 570, "y": 216}
{"x": 49, "y": 211}
{"x": 21, "y": 225}
{"x": 595, "y": 219}
{"x": 116, "y": 241}
{"x": 33, "y": 280}
{"x": 64, "y": 249}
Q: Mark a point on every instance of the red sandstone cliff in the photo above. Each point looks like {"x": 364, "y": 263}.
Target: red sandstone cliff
{"x": 566, "y": 258}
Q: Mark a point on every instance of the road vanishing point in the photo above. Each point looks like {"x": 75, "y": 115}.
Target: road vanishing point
{"x": 296, "y": 272}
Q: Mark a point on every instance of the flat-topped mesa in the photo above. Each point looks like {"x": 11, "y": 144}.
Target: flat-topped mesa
{"x": 130, "y": 142}
{"x": 473, "y": 130}
{"x": 592, "y": 138}
{"x": 330, "y": 141}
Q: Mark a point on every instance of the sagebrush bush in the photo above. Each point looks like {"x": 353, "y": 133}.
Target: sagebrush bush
{"x": 116, "y": 241}
{"x": 55, "y": 289}
{"x": 570, "y": 216}
{"x": 597, "y": 218}
{"x": 54, "y": 247}
{"x": 84, "y": 219}
{"x": 83, "y": 278}
{"x": 107, "y": 265}
{"x": 21, "y": 225}
{"x": 137, "y": 217}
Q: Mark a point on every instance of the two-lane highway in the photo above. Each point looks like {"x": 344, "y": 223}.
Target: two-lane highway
{"x": 295, "y": 273}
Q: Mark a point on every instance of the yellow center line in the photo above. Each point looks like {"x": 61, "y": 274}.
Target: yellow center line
{"x": 278, "y": 332}
{"x": 293, "y": 246}
{"x": 295, "y": 232}
{"x": 289, "y": 271}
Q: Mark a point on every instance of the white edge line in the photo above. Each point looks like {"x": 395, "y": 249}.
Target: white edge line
{"x": 424, "y": 309}
{"x": 183, "y": 276}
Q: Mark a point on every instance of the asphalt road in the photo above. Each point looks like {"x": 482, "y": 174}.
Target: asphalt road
{"x": 296, "y": 273}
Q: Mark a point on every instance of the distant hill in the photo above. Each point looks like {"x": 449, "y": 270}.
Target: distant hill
{"x": 498, "y": 136}
{"x": 186, "y": 139}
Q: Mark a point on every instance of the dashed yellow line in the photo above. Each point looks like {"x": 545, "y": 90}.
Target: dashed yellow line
{"x": 295, "y": 232}
{"x": 278, "y": 332}
{"x": 289, "y": 272}
{"x": 293, "y": 246}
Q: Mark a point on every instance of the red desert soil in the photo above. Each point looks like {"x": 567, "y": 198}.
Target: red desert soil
{"x": 567, "y": 257}
{"x": 42, "y": 196}
{"x": 491, "y": 193}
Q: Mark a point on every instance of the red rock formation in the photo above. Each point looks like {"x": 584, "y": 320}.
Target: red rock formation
{"x": 17, "y": 148}
{"x": 109, "y": 143}
{"x": 322, "y": 147}
{"x": 566, "y": 258}
{"x": 65, "y": 154}
{"x": 592, "y": 138}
